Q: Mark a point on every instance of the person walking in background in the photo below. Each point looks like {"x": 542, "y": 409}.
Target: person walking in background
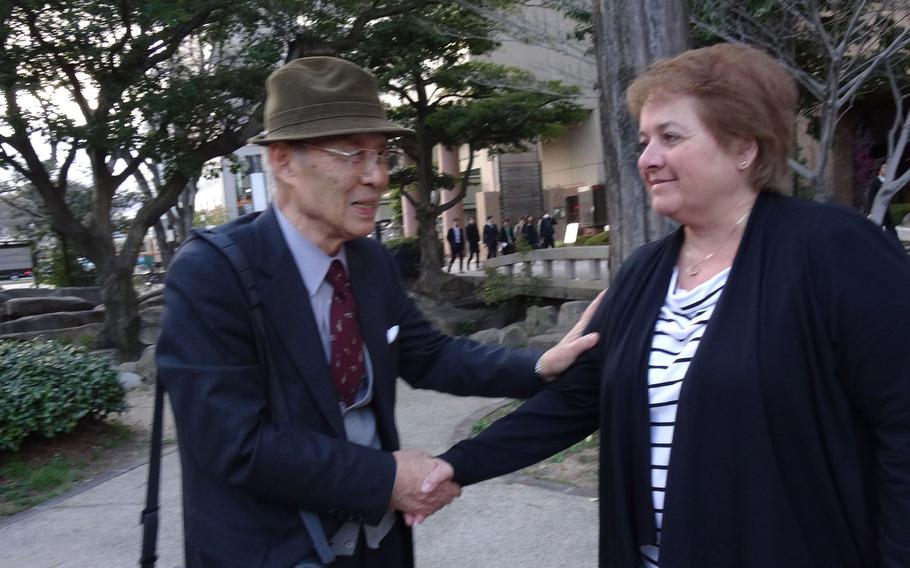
{"x": 755, "y": 363}
{"x": 473, "y": 235}
{"x": 507, "y": 237}
{"x": 547, "y": 231}
{"x": 529, "y": 232}
{"x": 455, "y": 236}
{"x": 491, "y": 237}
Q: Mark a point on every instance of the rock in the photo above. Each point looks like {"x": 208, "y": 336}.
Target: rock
{"x": 514, "y": 335}
{"x": 4, "y": 297}
{"x": 490, "y": 336}
{"x": 149, "y": 335}
{"x": 129, "y": 380}
{"x": 45, "y": 322}
{"x": 540, "y": 319}
{"x": 544, "y": 341}
{"x": 451, "y": 319}
{"x": 145, "y": 366}
{"x": 128, "y": 367}
{"x": 21, "y": 307}
{"x": 151, "y": 317}
{"x": 83, "y": 333}
{"x": 152, "y": 298}
{"x": 90, "y": 294}
{"x": 570, "y": 312}
{"x": 905, "y": 222}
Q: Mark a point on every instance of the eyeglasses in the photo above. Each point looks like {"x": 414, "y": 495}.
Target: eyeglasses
{"x": 392, "y": 159}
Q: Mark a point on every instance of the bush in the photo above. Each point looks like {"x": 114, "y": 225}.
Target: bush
{"x": 406, "y": 251}
{"x": 898, "y": 211}
{"x": 401, "y": 242}
{"x": 595, "y": 240}
{"x": 499, "y": 288}
{"x": 47, "y": 387}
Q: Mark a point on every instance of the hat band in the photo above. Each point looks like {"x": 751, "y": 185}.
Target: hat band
{"x": 302, "y": 115}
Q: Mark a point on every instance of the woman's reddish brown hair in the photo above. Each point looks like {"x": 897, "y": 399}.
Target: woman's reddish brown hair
{"x": 742, "y": 93}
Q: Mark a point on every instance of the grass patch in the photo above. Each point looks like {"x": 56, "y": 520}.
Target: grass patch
{"x": 576, "y": 466}
{"x": 46, "y": 467}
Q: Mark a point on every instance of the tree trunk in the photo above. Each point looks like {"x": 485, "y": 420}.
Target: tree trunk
{"x": 628, "y": 37}
{"x": 164, "y": 246}
{"x": 430, "y": 263}
{"x": 822, "y": 182}
{"x": 121, "y": 321}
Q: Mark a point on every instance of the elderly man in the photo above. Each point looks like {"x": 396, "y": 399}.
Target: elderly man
{"x": 311, "y": 469}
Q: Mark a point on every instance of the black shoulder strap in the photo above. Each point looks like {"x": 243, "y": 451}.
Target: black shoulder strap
{"x": 278, "y": 405}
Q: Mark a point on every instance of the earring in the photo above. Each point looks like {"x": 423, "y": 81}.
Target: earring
{"x": 744, "y": 164}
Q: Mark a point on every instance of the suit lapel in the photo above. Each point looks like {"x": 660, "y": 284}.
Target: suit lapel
{"x": 287, "y": 304}
{"x": 368, "y": 295}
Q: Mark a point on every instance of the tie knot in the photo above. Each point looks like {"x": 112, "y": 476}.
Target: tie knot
{"x": 338, "y": 278}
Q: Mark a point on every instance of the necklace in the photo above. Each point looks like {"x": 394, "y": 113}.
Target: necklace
{"x": 694, "y": 269}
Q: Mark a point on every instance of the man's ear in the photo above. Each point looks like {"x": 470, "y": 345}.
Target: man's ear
{"x": 281, "y": 159}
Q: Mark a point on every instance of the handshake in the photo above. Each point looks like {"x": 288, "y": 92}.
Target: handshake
{"x": 423, "y": 485}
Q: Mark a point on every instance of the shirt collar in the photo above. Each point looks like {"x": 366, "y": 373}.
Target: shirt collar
{"x": 312, "y": 262}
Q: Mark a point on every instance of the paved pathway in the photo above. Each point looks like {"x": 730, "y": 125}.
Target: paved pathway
{"x": 497, "y": 524}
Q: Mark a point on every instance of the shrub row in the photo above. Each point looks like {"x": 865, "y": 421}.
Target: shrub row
{"x": 46, "y": 387}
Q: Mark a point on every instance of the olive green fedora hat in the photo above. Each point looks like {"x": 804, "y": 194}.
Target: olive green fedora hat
{"x": 314, "y": 97}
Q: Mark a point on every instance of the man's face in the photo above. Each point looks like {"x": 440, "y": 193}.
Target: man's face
{"x": 330, "y": 198}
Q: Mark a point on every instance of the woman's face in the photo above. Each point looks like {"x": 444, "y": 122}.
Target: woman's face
{"x": 690, "y": 176}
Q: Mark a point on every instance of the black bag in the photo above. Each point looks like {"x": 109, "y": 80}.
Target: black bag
{"x": 278, "y": 403}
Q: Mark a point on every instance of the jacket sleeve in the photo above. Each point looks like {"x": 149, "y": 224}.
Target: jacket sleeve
{"x": 430, "y": 359}
{"x": 869, "y": 295}
{"x": 561, "y": 415}
{"x": 208, "y": 364}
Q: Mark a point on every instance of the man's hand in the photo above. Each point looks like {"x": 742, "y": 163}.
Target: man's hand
{"x": 413, "y": 467}
{"x": 555, "y": 361}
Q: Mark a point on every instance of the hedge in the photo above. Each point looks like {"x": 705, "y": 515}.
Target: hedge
{"x": 47, "y": 387}
{"x": 597, "y": 239}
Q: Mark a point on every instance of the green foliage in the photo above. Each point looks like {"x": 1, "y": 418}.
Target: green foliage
{"x": 47, "y": 387}
{"x": 395, "y": 204}
{"x": 522, "y": 244}
{"x": 898, "y": 211}
{"x": 499, "y": 288}
{"x": 595, "y": 240}
{"x": 466, "y": 327}
{"x": 59, "y": 268}
{"x": 26, "y": 484}
{"x": 406, "y": 251}
{"x": 401, "y": 243}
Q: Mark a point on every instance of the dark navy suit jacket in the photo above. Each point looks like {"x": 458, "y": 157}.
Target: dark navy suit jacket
{"x": 245, "y": 475}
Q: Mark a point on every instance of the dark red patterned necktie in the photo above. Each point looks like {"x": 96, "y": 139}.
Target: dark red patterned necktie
{"x": 347, "y": 344}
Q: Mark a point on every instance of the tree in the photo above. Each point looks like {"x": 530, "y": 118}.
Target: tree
{"x": 120, "y": 83}
{"x": 429, "y": 61}
{"x": 898, "y": 138}
{"x": 833, "y": 48}
{"x": 628, "y": 37}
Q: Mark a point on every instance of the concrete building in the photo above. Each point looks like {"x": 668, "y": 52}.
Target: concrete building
{"x": 566, "y": 175}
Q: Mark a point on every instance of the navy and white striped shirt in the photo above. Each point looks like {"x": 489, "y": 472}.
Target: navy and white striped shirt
{"x": 680, "y": 326}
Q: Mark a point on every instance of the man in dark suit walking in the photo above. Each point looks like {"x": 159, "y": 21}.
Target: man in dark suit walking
{"x": 455, "y": 236}
{"x": 473, "y": 236}
{"x": 491, "y": 238}
{"x": 337, "y": 330}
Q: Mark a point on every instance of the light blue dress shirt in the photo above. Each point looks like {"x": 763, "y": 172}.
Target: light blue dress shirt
{"x": 359, "y": 418}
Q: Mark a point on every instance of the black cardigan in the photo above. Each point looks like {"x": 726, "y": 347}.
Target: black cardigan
{"x": 792, "y": 440}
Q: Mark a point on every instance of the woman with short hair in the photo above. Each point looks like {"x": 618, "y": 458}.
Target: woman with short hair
{"x": 752, "y": 384}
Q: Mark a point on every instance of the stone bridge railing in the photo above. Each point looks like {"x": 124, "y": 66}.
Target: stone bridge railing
{"x": 576, "y": 273}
